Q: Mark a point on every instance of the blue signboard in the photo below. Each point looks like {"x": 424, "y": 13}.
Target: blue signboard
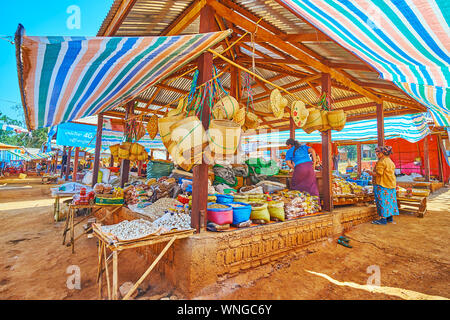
{"x": 76, "y": 135}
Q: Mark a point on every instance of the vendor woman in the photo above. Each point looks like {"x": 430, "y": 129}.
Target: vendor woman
{"x": 298, "y": 159}
{"x": 384, "y": 186}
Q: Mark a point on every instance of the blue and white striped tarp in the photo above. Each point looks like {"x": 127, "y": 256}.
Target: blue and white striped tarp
{"x": 411, "y": 127}
{"x": 407, "y": 41}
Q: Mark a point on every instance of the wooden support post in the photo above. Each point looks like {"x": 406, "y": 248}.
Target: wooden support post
{"x": 62, "y": 162}
{"x": 441, "y": 152}
{"x": 426, "y": 158}
{"x": 98, "y": 144}
{"x": 139, "y": 168}
{"x": 56, "y": 161}
{"x": 125, "y": 166}
{"x": 75, "y": 164}
{"x": 200, "y": 171}
{"x": 380, "y": 124}
{"x": 111, "y": 161}
{"x": 69, "y": 156}
{"x": 359, "y": 158}
{"x": 326, "y": 153}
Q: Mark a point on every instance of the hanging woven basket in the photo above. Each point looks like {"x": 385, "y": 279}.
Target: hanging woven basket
{"x": 224, "y": 137}
{"x": 188, "y": 134}
{"x": 229, "y": 106}
{"x": 251, "y": 121}
{"x": 239, "y": 117}
{"x": 164, "y": 124}
{"x": 314, "y": 121}
{"x": 325, "y": 125}
{"x": 337, "y": 119}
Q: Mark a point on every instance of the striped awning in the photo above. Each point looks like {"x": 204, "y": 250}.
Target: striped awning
{"x": 407, "y": 41}
{"x": 411, "y": 127}
{"x": 68, "y": 78}
{"x": 29, "y": 156}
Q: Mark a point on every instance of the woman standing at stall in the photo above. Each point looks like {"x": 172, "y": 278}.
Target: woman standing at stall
{"x": 384, "y": 186}
{"x": 298, "y": 159}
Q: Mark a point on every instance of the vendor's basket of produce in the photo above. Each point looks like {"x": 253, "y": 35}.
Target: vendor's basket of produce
{"x": 241, "y": 212}
{"x": 276, "y": 210}
{"x": 259, "y": 213}
{"x": 219, "y": 213}
{"x": 224, "y": 198}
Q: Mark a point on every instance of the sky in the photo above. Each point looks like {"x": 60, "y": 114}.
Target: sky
{"x": 41, "y": 18}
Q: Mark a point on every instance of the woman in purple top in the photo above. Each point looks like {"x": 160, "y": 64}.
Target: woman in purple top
{"x": 298, "y": 159}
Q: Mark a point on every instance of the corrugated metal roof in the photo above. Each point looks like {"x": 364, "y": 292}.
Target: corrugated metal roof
{"x": 151, "y": 18}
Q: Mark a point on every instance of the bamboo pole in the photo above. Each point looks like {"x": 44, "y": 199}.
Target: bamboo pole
{"x": 115, "y": 275}
{"x": 107, "y": 272}
{"x": 142, "y": 278}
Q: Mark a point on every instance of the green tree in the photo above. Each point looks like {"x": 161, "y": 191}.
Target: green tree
{"x": 33, "y": 140}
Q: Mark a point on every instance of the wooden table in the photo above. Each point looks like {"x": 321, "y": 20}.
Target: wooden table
{"x": 283, "y": 178}
{"x": 57, "y": 206}
{"x": 70, "y": 225}
{"x": 115, "y": 246}
{"x": 414, "y": 204}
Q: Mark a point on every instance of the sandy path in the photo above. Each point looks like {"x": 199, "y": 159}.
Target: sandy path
{"x": 413, "y": 254}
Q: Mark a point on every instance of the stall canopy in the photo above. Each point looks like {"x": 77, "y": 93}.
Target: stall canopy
{"x": 67, "y": 78}
{"x": 4, "y": 146}
{"x": 10, "y": 127}
{"x": 411, "y": 127}
{"x": 408, "y": 42}
{"x": 30, "y": 156}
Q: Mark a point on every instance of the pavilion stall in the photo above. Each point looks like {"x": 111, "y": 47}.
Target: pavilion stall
{"x": 238, "y": 70}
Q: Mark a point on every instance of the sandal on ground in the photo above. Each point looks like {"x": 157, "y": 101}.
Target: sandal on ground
{"x": 344, "y": 243}
{"x": 390, "y": 220}
{"x": 343, "y": 238}
{"x": 381, "y": 221}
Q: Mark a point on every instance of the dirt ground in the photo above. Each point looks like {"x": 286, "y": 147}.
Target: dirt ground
{"x": 412, "y": 254}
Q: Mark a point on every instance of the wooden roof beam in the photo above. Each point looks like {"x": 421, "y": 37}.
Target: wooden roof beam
{"x": 233, "y": 17}
{"x": 120, "y": 15}
{"x": 316, "y": 37}
{"x": 185, "y": 19}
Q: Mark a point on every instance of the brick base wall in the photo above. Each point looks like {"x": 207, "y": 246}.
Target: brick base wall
{"x": 199, "y": 264}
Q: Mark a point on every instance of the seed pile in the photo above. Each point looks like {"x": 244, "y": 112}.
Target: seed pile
{"x": 129, "y": 230}
{"x": 170, "y": 221}
{"x": 159, "y": 207}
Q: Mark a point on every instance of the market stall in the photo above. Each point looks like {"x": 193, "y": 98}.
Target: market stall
{"x": 202, "y": 99}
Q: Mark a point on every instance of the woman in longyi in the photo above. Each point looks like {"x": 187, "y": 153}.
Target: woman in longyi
{"x": 384, "y": 186}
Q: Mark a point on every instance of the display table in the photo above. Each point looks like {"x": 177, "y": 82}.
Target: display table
{"x": 283, "y": 178}
{"x": 413, "y": 204}
{"x": 56, "y": 205}
{"x": 116, "y": 246}
{"x": 432, "y": 185}
{"x": 70, "y": 225}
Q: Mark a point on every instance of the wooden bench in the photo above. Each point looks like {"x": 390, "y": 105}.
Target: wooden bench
{"x": 413, "y": 204}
